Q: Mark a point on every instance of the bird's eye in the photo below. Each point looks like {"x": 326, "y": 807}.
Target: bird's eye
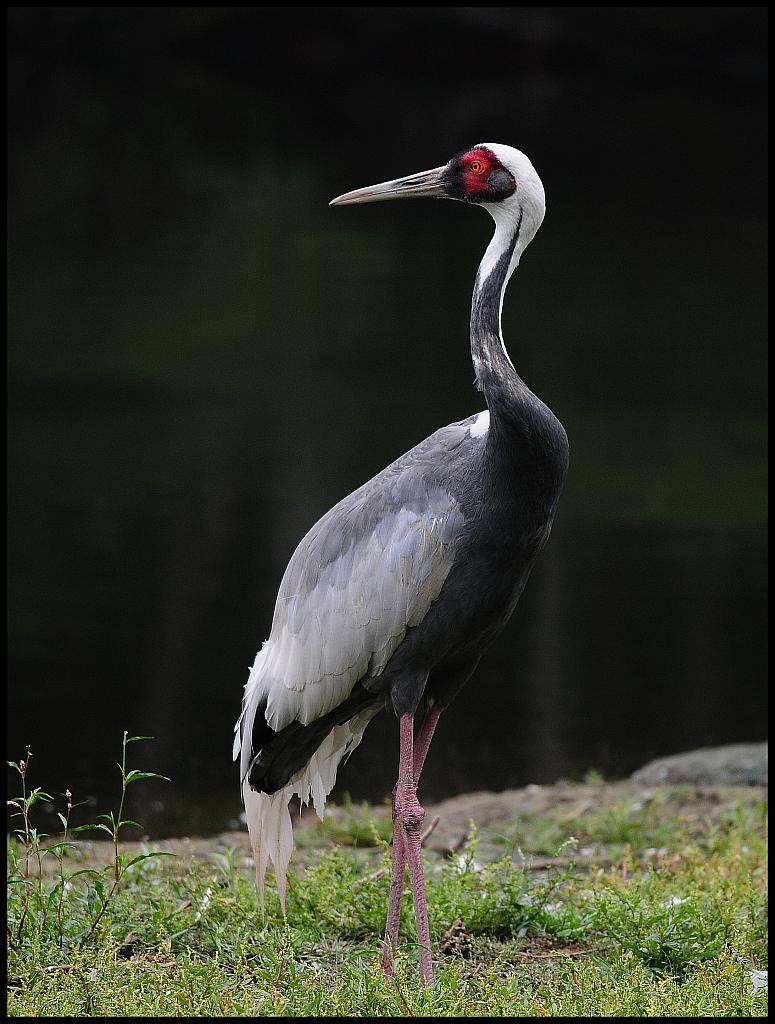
{"x": 476, "y": 167}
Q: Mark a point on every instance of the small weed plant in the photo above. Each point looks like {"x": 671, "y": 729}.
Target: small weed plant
{"x": 44, "y": 905}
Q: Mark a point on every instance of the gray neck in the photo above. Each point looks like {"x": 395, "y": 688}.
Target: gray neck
{"x": 495, "y": 374}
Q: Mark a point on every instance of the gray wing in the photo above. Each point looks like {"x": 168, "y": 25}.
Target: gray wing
{"x": 365, "y": 573}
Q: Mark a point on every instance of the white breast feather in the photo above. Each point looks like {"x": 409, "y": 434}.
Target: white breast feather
{"x": 481, "y": 424}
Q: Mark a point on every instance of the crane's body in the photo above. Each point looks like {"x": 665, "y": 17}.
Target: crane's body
{"x": 394, "y": 595}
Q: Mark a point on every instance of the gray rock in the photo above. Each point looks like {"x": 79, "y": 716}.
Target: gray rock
{"x": 738, "y": 764}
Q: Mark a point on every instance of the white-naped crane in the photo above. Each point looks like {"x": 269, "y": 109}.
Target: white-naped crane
{"x": 394, "y": 595}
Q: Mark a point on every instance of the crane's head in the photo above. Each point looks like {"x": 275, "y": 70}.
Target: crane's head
{"x": 498, "y": 177}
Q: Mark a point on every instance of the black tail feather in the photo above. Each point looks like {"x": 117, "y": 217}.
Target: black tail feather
{"x": 280, "y": 755}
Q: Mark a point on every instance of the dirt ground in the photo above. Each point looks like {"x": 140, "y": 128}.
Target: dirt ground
{"x": 494, "y": 814}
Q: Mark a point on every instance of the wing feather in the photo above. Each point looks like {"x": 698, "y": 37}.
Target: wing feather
{"x": 365, "y": 573}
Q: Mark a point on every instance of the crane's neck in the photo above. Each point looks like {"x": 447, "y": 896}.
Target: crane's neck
{"x": 505, "y": 392}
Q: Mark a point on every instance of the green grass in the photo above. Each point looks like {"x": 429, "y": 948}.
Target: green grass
{"x": 666, "y": 918}
{"x": 352, "y": 825}
{"x": 608, "y": 823}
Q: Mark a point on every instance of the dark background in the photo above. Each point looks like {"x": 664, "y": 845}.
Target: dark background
{"x": 204, "y": 358}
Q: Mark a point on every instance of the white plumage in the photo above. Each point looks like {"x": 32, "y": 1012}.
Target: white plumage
{"x": 481, "y": 424}
{"x": 269, "y": 817}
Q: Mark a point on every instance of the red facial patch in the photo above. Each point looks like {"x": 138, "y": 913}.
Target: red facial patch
{"x": 477, "y": 165}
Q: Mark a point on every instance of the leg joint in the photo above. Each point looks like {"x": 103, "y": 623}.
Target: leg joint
{"x": 409, "y": 811}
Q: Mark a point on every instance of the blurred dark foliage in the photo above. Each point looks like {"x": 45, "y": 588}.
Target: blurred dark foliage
{"x": 145, "y": 87}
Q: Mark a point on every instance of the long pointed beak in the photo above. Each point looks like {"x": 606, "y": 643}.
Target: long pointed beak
{"x": 426, "y": 184}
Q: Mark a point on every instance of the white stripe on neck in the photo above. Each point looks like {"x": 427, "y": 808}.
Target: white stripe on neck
{"x": 506, "y": 224}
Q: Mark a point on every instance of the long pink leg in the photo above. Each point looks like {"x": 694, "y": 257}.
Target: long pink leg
{"x": 396, "y": 890}
{"x": 399, "y": 846}
{"x": 423, "y": 741}
{"x": 406, "y": 842}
